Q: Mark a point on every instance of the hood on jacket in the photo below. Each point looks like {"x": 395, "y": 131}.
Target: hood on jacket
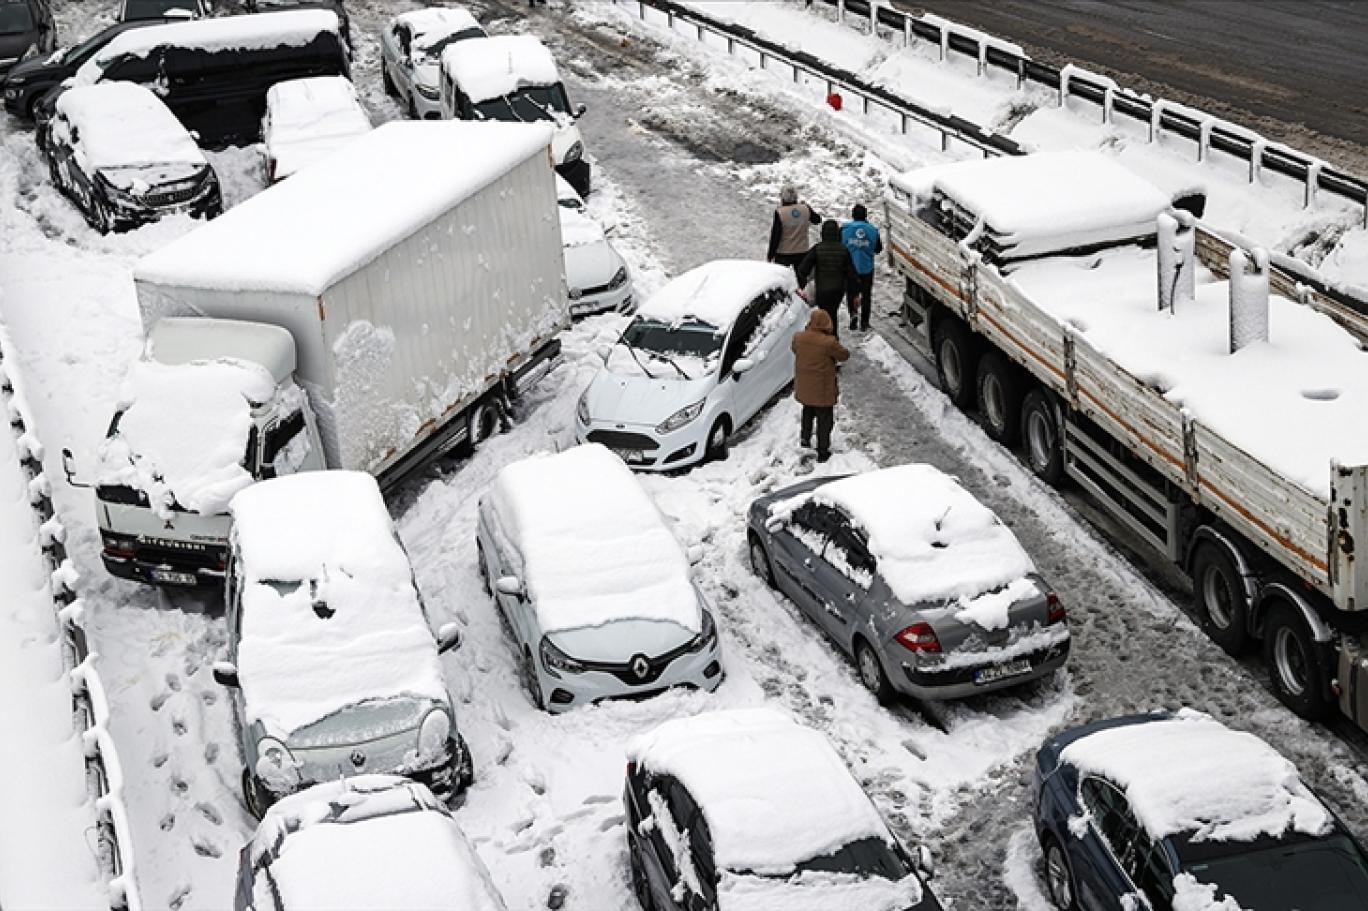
{"x": 831, "y": 230}
{"x": 819, "y": 321}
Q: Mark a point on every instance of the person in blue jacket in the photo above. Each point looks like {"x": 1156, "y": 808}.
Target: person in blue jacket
{"x": 863, "y": 241}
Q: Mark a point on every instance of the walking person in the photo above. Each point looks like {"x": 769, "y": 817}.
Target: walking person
{"x": 864, "y": 243}
{"x": 816, "y": 352}
{"x": 790, "y": 231}
{"x": 832, "y": 271}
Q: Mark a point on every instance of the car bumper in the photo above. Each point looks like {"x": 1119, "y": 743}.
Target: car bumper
{"x": 14, "y": 102}
{"x": 697, "y": 670}
{"x": 643, "y": 448}
{"x": 619, "y": 300}
{"x": 427, "y": 108}
{"x": 960, "y": 682}
{"x": 161, "y": 573}
{"x": 577, "y": 174}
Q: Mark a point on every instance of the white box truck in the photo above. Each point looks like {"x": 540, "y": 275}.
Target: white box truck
{"x": 377, "y": 309}
{"x": 1209, "y": 398}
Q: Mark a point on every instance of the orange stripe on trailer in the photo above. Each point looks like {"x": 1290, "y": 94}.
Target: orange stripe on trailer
{"x": 1282, "y": 539}
{"x": 1025, "y": 348}
{"x": 951, "y": 289}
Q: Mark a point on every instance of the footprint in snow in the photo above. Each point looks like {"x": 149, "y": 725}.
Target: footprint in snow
{"x": 178, "y": 898}
{"x": 612, "y": 822}
{"x": 179, "y": 727}
{"x": 159, "y": 760}
{"x": 158, "y": 701}
{"x": 600, "y": 798}
{"x": 173, "y": 683}
{"x": 167, "y": 822}
{"x": 211, "y": 752}
{"x": 209, "y": 812}
{"x": 205, "y": 848}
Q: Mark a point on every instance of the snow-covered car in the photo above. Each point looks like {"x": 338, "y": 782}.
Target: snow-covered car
{"x": 595, "y": 273}
{"x": 27, "y": 32}
{"x": 702, "y": 357}
{"x": 332, "y": 665}
{"x": 116, "y": 151}
{"x": 514, "y": 78}
{"x": 307, "y": 119}
{"x": 411, "y": 48}
{"x": 1165, "y": 812}
{"x": 370, "y": 841}
{"x": 746, "y": 809}
{"x": 132, "y": 10}
{"x": 596, "y": 590}
{"x": 922, "y": 585}
{"x": 335, "y": 6}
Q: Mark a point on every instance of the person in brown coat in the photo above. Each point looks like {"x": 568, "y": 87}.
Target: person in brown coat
{"x": 816, "y": 352}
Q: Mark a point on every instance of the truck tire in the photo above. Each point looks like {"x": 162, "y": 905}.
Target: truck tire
{"x": 999, "y": 398}
{"x": 956, "y": 356}
{"x": 1296, "y": 664}
{"x": 482, "y": 422}
{"x": 1220, "y": 600}
{"x": 1044, "y": 442}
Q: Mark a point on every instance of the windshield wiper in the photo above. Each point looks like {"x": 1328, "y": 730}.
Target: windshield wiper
{"x": 632, "y": 352}
{"x": 669, "y": 360}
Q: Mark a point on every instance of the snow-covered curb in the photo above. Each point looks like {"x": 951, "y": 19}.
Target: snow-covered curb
{"x": 104, "y": 774}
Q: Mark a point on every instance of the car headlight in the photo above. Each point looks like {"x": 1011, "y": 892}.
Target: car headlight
{"x": 553, "y": 659}
{"x": 582, "y": 409}
{"x": 619, "y": 279}
{"x": 276, "y": 765}
{"x": 574, "y": 153}
{"x": 707, "y": 636}
{"x": 433, "y": 735}
{"x": 430, "y": 92}
{"x": 681, "y": 417}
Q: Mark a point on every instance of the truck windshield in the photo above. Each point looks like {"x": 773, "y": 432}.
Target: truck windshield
{"x": 15, "y": 18}
{"x": 535, "y": 102}
{"x": 1314, "y": 874}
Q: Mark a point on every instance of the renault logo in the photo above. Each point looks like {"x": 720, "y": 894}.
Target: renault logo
{"x": 641, "y": 667}
{"x": 358, "y": 758}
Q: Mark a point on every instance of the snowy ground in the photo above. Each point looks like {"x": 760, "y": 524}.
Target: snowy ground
{"x": 688, "y": 159}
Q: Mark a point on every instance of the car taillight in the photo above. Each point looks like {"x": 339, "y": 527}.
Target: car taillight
{"x": 919, "y": 637}
{"x": 119, "y": 545}
{"x": 1054, "y": 610}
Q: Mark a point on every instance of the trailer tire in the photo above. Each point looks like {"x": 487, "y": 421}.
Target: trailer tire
{"x": 999, "y": 398}
{"x": 953, "y": 346}
{"x": 483, "y": 421}
{"x": 1296, "y": 666}
{"x": 1219, "y": 597}
{"x": 1044, "y": 444}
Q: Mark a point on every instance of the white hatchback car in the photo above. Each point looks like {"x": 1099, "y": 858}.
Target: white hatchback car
{"x": 596, "y": 590}
{"x": 703, "y": 356}
{"x": 595, "y": 273}
{"x": 411, "y": 53}
{"x": 307, "y": 119}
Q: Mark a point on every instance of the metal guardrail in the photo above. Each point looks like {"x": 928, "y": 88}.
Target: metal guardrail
{"x": 90, "y": 705}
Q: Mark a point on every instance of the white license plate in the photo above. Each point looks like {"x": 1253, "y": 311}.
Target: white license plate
{"x": 1002, "y": 671}
{"x": 630, "y": 455}
{"x": 170, "y": 577}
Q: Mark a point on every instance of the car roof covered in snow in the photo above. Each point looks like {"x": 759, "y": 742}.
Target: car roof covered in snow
{"x": 715, "y": 292}
{"x": 371, "y": 841}
{"x": 285, "y": 28}
{"x": 183, "y": 340}
{"x": 1191, "y": 775}
{"x": 1047, "y": 201}
{"x": 309, "y": 118}
{"x": 433, "y": 23}
{"x": 309, "y": 232}
{"x": 486, "y": 68}
{"x": 594, "y": 547}
{"x": 123, "y": 124}
{"x": 330, "y": 615}
{"x": 774, "y": 792}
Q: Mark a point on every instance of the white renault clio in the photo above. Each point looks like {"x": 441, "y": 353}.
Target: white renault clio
{"x": 702, "y": 357}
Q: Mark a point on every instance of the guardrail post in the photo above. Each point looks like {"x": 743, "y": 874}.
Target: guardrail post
{"x": 945, "y": 142}
{"x": 903, "y": 118}
{"x": 874, "y": 18}
{"x": 864, "y": 99}
{"x": 1108, "y": 100}
{"x": 1203, "y": 139}
{"x": 699, "y": 28}
{"x": 731, "y": 46}
{"x": 944, "y": 43}
{"x": 907, "y": 30}
{"x": 840, "y": 11}
{"x": 669, "y": 19}
{"x": 1256, "y": 149}
{"x": 1021, "y": 72}
{"x": 982, "y": 58}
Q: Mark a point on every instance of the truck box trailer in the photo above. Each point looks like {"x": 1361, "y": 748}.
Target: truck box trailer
{"x": 1043, "y": 287}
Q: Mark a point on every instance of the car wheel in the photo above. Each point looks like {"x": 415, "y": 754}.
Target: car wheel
{"x": 1294, "y": 662}
{"x": 531, "y": 681}
{"x": 999, "y": 398}
{"x": 760, "y": 561}
{"x": 953, "y": 346}
{"x": 871, "y": 672}
{"x": 412, "y": 107}
{"x": 641, "y": 886}
{"x": 1059, "y": 878}
{"x": 717, "y": 441}
{"x": 391, "y": 89}
{"x": 257, "y": 804}
{"x": 483, "y": 568}
{"x": 1041, "y": 433}
{"x": 1220, "y": 598}
{"x": 465, "y": 766}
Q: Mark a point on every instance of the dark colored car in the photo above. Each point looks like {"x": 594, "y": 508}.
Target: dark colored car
{"x": 124, "y": 159}
{"x": 163, "y": 9}
{"x": 29, "y": 81}
{"x": 26, "y": 31}
{"x": 269, "y": 6}
{"x": 1136, "y": 813}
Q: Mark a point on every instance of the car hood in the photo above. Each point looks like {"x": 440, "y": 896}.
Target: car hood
{"x": 37, "y": 68}
{"x": 363, "y": 722}
{"x": 591, "y": 264}
{"x": 624, "y": 399}
{"x": 428, "y": 74}
{"x": 618, "y": 642}
{"x": 140, "y": 179}
{"x": 821, "y": 891}
{"x": 13, "y": 45}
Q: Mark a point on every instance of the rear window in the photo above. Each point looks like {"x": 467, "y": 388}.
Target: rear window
{"x": 15, "y": 18}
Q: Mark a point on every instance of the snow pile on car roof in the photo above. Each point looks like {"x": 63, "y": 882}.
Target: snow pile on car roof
{"x": 594, "y": 546}
{"x": 1048, "y": 201}
{"x": 933, "y": 541}
{"x": 774, "y": 793}
{"x": 433, "y": 23}
{"x": 577, "y": 229}
{"x": 330, "y": 617}
{"x": 123, "y": 124}
{"x": 1191, "y": 775}
{"x": 715, "y": 292}
{"x": 372, "y": 841}
{"x": 255, "y": 31}
{"x": 306, "y": 233}
{"x": 310, "y": 118}
{"x": 486, "y": 68}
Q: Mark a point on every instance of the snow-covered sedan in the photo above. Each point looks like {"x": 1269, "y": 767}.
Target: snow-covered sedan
{"x": 702, "y": 357}
{"x": 124, "y": 159}
{"x": 918, "y": 582}
{"x": 372, "y": 841}
{"x": 1165, "y": 812}
{"x": 411, "y": 49}
{"x": 307, "y": 119}
{"x": 747, "y": 810}
{"x": 596, "y": 590}
{"x": 595, "y": 273}
{"x": 333, "y": 667}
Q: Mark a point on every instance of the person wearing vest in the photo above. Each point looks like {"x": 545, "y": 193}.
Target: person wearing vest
{"x": 863, "y": 241}
{"x": 832, "y": 272}
{"x": 789, "y": 233}
{"x": 816, "y": 352}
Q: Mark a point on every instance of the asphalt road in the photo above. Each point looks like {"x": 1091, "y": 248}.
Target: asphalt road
{"x": 1284, "y": 67}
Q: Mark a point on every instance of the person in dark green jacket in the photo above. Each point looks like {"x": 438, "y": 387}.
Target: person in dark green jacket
{"x": 833, "y": 273}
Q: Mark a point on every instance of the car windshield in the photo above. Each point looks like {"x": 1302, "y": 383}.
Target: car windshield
{"x": 1314, "y": 874}
{"x": 534, "y": 102}
{"x": 864, "y": 857}
{"x": 15, "y": 18}
{"x": 152, "y": 9}
{"x": 78, "y": 53}
{"x": 432, "y": 52}
{"x": 693, "y": 339}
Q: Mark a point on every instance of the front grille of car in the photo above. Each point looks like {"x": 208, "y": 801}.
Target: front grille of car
{"x": 171, "y": 197}
{"x": 655, "y": 666}
{"x": 187, "y": 554}
{"x": 618, "y": 439}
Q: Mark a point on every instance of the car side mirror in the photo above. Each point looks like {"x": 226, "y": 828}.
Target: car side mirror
{"x": 776, "y": 524}
{"x": 742, "y": 365}
{"x": 580, "y": 110}
{"x": 448, "y": 637}
{"x": 509, "y": 585}
{"x": 604, "y": 351}
{"x": 69, "y": 467}
{"x": 226, "y": 674}
{"x": 924, "y": 862}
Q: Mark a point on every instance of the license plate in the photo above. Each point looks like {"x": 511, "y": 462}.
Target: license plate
{"x": 1002, "y": 671}
{"x": 170, "y": 577}
{"x": 630, "y": 455}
